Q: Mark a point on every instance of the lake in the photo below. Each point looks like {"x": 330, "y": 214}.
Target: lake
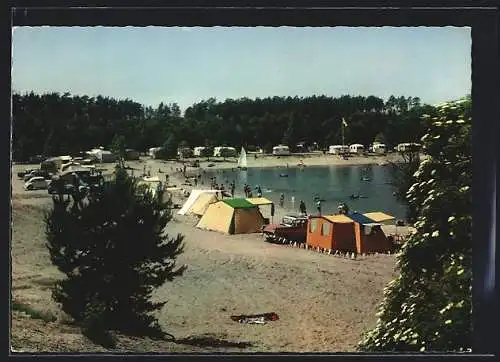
{"x": 333, "y": 184}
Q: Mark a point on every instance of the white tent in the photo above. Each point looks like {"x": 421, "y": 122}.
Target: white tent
{"x": 193, "y": 196}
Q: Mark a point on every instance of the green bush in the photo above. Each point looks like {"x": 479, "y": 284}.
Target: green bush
{"x": 114, "y": 253}
{"x": 428, "y": 307}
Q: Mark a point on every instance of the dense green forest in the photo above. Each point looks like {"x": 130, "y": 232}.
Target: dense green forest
{"x": 54, "y": 124}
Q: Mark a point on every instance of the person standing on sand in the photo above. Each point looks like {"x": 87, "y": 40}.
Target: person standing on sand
{"x": 302, "y": 208}
{"x": 282, "y": 199}
{"x": 259, "y": 191}
{"x": 318, "y": 206}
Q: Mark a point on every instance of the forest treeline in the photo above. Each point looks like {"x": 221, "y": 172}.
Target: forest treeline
{"x": 54, "y": 124}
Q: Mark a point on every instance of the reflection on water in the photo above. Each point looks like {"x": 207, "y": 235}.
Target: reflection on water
{"x": 334, "y": 184}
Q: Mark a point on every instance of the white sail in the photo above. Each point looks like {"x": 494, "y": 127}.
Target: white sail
{"x": 242, "y": 161}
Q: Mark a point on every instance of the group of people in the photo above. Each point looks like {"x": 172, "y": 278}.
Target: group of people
{"x": 248, "y": 191}
{"x": 302, "y": 204}
{"x": 215, "y": 186}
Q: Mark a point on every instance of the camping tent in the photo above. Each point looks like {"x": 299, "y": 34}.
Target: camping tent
{"x": 347, "y": 233}
{"x": 202, "y": 203}
{"x": 369, "y": 235}
{"x": 262, "y": 201}
{"x": 331, "y": 232}
{"x": 232, "y": 216}
{"x": 259, "y": 201}
{"x": 193, "y": 196}
{"x": 380, "y": 217}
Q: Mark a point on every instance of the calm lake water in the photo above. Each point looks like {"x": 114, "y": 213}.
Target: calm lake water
{"x": 333, "y": 184}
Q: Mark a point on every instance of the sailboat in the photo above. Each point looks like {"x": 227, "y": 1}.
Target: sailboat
{"x": 242, "y": 161}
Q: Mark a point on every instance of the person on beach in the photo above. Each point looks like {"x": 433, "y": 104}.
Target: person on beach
{"x": 282, "y": 199}
{"x": 222, "y": 190}
{"x": 232, "y": 189}
{"x": 318, "y": 206}
{"x": 259, "y": 191}
{"x": 245, "y": 190}
{"x": 302, "y": 207}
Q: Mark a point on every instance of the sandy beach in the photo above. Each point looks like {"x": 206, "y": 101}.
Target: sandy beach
{"x": 309, "y": 159}
{"x": 324, "y": 302}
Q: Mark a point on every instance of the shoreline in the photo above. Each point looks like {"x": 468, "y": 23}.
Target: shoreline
{"x": 313, "y": 160}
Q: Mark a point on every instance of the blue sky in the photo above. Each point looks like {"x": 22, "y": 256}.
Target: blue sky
{"x": 185, "y": 65}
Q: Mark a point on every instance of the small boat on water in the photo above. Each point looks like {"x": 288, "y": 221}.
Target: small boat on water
{"x": 283, "y": 175}
{"x": 357, "y": 196}
{"x": 242, "y": 160}
{"x": 364, "y": 178}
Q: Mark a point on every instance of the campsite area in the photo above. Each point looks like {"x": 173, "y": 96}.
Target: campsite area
{"x": 324, "y": 302}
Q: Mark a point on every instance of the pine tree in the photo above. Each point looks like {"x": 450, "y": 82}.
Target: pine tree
{"x": 114, "y": 253}
{"x": 428, "y": 307}
{"x": 118, "y": 147}
{"x": 169, "y": 149}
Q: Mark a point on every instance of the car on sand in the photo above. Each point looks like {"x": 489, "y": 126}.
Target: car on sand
{"x": 36, "y": 183}
{"x": 292, "y": 228}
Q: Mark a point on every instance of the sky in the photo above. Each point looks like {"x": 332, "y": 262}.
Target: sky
{"x": 186, "y": 65}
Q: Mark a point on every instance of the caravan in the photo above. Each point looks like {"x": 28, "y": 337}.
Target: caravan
{"x": 408, "y": 147}
{"x": 357, "y": 148}
{"x": 198, "y": 151}
{"x": 153, "y": 150}
{"x": 223, "y": 151}
{"x": 281, "y": 150}
{"x": 378, "y": 148}
{"x": 338, "y": 149}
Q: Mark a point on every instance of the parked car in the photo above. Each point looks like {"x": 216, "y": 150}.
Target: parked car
{"x": 66, "y": 182}
{"x": 36, "y": 183}
{"x": 291, "y": 228}
{"x": 37, "y": 173}
{"x": 21, "y": 174}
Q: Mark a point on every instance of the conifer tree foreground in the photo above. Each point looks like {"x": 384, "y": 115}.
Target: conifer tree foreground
{"x": 428, "y": 307}
{"x": 114, "y": 253}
